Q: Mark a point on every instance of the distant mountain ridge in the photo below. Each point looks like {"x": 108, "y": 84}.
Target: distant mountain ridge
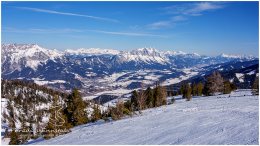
{"x": 32, "y": 55}
{"x": 95, "y": 70}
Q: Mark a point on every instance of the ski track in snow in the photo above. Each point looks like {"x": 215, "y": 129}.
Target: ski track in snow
{"x": 205, "y": 120}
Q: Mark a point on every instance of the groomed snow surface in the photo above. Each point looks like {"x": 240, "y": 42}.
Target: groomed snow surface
{"x": 203, "y": 120}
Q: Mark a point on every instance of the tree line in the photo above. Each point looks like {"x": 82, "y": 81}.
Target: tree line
{"x": 214, "y": 84}
{"x": 140, "y": 100}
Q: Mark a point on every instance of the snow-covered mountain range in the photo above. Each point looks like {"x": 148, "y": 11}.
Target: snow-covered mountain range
{"x": 97, "y": 70}
{"x": 32, "y": 55}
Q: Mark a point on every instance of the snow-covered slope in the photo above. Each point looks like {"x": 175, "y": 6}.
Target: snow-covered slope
{"x": 223, "y": 55}
{"x": 203, "y": 120}
{"x": 92, "y": 51}
{"x": 144, "y": 55}
{"x": 26, "y": 55}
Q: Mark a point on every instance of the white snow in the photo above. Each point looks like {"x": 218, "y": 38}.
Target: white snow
{"x": 236, "y": 56}
{"x": 240, "y": 77}
{"x": 203, "y": 120}
{"x": 251, "y": 72}
{"x": 5, "y": 141}
{"x": 43, "y": 82}
{"x": 174, "y": 53}
{"x": 189, "y": 73}
{"x": 116, "y": 81}
{"x": 34, "y": 54}
{"x": 143, "y": 55}
{"x": 92, "y": 51}
{"x": 231, "y": 80}
{"x": 90, "y": 74}
{"x": 230, "y": 56}
{"x": 116, "y": 92}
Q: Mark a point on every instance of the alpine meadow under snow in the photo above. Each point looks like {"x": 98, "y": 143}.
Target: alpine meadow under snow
{"x": 222, "y": 119}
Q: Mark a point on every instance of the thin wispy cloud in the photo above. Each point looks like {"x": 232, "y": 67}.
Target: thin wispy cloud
{"x": 193, "y": 9}
{"x": 182, "y": 12}
{"x": 70, "y": 31}
{"x": 66, "y": 13}
{"x": 160, "y": 24}
{"x": 40, "y": 30}
{"x": 166, "y": 23}
{"x": 127, "y": 33}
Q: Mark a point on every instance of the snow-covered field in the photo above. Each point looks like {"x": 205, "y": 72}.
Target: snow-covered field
{"x": 203, "y": 120}
{"x": 189, "y": 73}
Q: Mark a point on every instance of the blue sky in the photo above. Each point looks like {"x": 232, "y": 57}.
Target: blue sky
{"x": 208, "y": 28}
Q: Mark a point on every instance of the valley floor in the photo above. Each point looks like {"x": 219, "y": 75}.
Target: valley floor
{"x": 203, "y": 120}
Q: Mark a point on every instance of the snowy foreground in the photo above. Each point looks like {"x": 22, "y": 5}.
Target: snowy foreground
{"x": 204, "y": 120}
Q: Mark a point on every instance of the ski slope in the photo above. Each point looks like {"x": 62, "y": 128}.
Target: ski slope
{"x": 203, "y": 120}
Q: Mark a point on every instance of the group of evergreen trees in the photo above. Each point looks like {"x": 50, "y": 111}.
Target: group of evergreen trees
{"x": 118, "y": 111}
{"x": 64, "y": 114}
{"x": 148, "y": 98}
{"x": 140, "y": 100}
{"x": 214, "y": 84}
{"x": 75, "y": 109}
{"x": 24, "y": 102}
{"x": 73, "y": 113}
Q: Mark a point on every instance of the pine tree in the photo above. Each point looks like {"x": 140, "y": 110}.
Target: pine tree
{"x": 141, "y": 99}
{"x": 14, "y": 138}
{"x": 156, "y": 97}
{"x": 194, "y": 89}
{"x": 11, "y": 118}
{"x": 181, "y": 89}
{"x": 233, "y": 86}
{"x": 52, "y": 125}
{"x": 49, "y": 131}
{"x": 24, "y": 130}
{"x": 200, "y": 89}
{"x": 128, "y": 109}
{"x": 96, "y": 115}
{"x": 255, "y": 86}
{"x": 227, "y": 87}
{"x": 215, "y": 83}
{"x": 76, "y": 109}
{"x": 118, "y": 111}
{"x": 31, "y": 134}
{"x": 163, "y": 95}
{"x": 134, "y": 100}
{"x": 149, "y": 97}
{"x": 57, "y": 120}
{"x": 187, "y": 92}
{"x": 159, "y": 96}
